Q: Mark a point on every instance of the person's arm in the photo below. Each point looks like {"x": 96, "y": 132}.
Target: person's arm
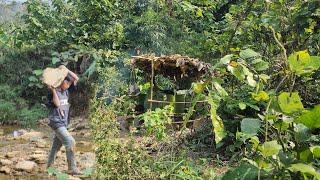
{"x": 55, "y": 98}
{"x": 73, "y": 75}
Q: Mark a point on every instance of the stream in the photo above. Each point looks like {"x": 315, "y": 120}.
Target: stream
{"x": 24, "y": 152}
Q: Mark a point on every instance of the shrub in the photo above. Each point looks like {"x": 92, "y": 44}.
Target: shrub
{"x": 116, "y": 157}
{"x": 13, "y": 108}
{"x": 7, "y": 111}
{"x": 29, "y": 117}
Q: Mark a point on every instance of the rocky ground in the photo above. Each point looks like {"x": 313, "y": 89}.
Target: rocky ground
{"x": 23, "y": 153}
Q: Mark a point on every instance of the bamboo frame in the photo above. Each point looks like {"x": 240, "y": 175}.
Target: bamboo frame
{"x": 152, "y": 83}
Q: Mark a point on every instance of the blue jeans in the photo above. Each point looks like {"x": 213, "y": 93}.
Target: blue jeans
{"x": 62, "y": 137}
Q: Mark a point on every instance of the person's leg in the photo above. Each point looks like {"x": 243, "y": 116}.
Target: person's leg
{"x": 69, "y": 143}
{"x": 56, "y": 145}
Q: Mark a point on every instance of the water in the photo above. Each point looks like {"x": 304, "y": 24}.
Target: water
{"x": 32, "y": 177}
{"x": 9, "y": 130}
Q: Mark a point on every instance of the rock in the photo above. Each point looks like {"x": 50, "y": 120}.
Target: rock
{"x": 73, "y": 178}
{"x": 5, "y": 169}
{"x": 12, "y": 154}
{"x": 22, "y": 131}
{"x": 27, "y": 166}
{"x": 4, "y": 162}
{"x": 34, "y": 136}
{"x": 10, "y": 138}
{"x": 39, "y": 152}
{"x": 87, "y": 159}
{"x": 41, "y": 144}
{"x": 84, "y": 143}
{"x": 80, "y": 126}
{"x": 1, "y": 132}
{"x": 39, "y": 158}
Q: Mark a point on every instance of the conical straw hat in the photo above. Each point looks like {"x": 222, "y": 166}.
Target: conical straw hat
{"x": 54, "y": 76}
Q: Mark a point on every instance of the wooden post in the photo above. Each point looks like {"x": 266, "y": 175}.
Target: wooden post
{"x": 152, "y": 75}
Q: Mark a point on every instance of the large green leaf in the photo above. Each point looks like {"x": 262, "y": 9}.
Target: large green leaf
{"x": 304, "y": 168}
{"x": 37, "y": 72}
{"x": 270, "y": 148}
{"x": 260, "y": 65}
{"x": 250, "y": 126}
{"x": 315, "y": 151}
{"x": 244, "y": 171}
{"x": 237, "y": 71}
{"x": 248, "y": 53}
{"x": 305, "y": 155}
{"x": 301, "y": 132}
{"x": 226, "y": 59}
{"x": 54, "y": 60}
{"x": 290, "y": 103}
{"x": 302, "y": 63}
{"x": 311, "y": 118}
{"x": 218, "y": 127}
{"x": 32, "y": 79}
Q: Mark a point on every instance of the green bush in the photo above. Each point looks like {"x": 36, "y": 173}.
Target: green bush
{"x": 116, "y": 157}
{"x": 8, "y": 111}
{"x": 14, "y": 108}
{"x": 29, "y": 117}
{"x": 8, "y": 93}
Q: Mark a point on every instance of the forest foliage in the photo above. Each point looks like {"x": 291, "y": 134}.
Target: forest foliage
{"x": 263, "y": 98}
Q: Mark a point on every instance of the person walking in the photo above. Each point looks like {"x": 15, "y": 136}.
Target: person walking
{"x": 61, "y": 82}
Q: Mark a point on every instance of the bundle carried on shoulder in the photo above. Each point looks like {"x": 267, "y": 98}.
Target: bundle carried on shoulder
{"x": 53, "y": 77}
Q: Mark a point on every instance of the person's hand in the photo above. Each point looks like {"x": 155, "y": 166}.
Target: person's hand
{"x": 63, "y": 67}
{"x": 51, "y": 88}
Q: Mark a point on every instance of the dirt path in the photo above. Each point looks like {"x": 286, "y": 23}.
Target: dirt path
{"x": 23, "y": 153}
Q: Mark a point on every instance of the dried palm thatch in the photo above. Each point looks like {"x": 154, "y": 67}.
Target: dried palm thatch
{"x": 173, "y": 65}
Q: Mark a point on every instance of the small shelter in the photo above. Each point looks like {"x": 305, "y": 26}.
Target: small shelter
{"x": 172, "y": 66}
{"x": 177, "y": 67}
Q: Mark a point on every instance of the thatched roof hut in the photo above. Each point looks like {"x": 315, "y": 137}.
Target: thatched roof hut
{"x": 172, "y": 66}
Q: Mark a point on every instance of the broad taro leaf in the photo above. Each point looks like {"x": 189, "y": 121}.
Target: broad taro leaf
{"x": 290, "y": 103}
{"x": 260, "y": 65}
{"x": 237, "y": 71}
{"x": 270, "y": 148}
{"x": 37, "y": 72}
{"x": 244, "y": 171}
{"x": 286, "y": 158}
{"x": 315, "y": 151}
{"x": 301, "y": 133}
{"x": 302, "y": 63}
{"x": 55, "y": 60}
{"x": 304, "y": 168}
{"x": 250, "y": 126}
{"x": 305, "y": 155}
{"x": 311, "y": 118}
{"x": 248, "y": 53}
{"x": 226, "y": 59}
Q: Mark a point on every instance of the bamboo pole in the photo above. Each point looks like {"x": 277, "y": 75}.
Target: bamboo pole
{"x": 152, "y": 75}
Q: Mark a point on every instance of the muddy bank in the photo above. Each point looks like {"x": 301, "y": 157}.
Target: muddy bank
{"x": 24, "y": 152}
